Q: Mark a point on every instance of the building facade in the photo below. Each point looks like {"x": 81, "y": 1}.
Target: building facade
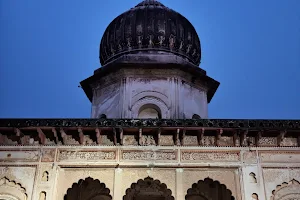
{"x": 149, "y": 136}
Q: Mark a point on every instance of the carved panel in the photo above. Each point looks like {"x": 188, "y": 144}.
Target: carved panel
{"x": 48, "y": 155}
{"x": 73, "y": 156}
{"x": 166, "y": 140}
{"x": 280, "y": 157}
{"x": 19, "y": 156}
{"x": 225, "y": 141}
{"x": 209, "y": 141}
{"x": 130, "y": 140}
{"x": 291, "y": 142}
{"x": 149, "y": 155}
{"x": 210, "y": 156}
{"x": 148, "y": 140}
{"x": 267, "y": 141}
{"x": 190, "y": 140}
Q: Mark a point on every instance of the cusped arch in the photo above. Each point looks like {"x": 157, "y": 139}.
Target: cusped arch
{"x": 88, "y": 189}
{"x": 208, "y": 189}
{"x": 287, "y": 191}
{"x": 148, "y": 189}
{"x": 12, "y": 190}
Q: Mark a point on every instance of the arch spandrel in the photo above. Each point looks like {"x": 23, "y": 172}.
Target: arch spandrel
{"x": 148, "y": 189}
{"x": 88, "y": 189}
{"x": 287, "y": 191}
{"x": 208, "y": 189}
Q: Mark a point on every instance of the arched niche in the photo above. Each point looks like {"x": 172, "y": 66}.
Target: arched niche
{"x": 149, "y": 111}
{"x": 88, "y": 189}
{"x": 155, "y": 102}
{"x": 195, "y": 116}
{"x": 287, "y": 191}
{"x": 208, "y": 189}
{"x": 148, "y": 189}
{"x": 11, "y": 190}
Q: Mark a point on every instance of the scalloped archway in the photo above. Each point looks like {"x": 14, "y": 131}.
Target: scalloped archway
{"x": 287, "y": 191}
{"x": 148, "y": 189}
{"x": 208, "y": 189}
{"x": 88, "y": 189}
{"x": 11, "y": 190}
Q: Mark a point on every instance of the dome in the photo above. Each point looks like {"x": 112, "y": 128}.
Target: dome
{"x": 150, "y": 28}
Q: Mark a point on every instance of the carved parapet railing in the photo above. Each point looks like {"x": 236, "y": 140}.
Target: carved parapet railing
{"x": 145, "y": 132}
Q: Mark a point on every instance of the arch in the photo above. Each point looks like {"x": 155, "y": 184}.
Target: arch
{"x": 149, "y": 111}
{"x": 88, "y": 189}
{"x": 195, "y": 116}
{"x": 287, "y": 191}
{"x": 12, "y": 190}
{"x": 150, "y": 101}
{"x": 102, "y": 116}
{"x": 148, "y": 189}
{"x": 208, "y": 189}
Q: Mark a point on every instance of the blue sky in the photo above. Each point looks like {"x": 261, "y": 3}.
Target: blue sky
{"x": 251, "y": 47}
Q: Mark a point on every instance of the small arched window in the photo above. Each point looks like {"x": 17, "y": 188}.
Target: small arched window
{"x": 102, "y": 116}
{"x": 195, "y": 116}
{"x": 149, "y": 111}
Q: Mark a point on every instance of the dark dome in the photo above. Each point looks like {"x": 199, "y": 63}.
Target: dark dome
{"x": 153, "y": 28}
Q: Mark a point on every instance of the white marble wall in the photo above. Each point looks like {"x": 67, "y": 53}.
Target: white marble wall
{"x": 246, "y": 172}
{"x": 169, "y": 90}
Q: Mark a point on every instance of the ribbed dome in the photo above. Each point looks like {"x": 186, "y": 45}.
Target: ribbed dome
{"x": 150, "y": 27}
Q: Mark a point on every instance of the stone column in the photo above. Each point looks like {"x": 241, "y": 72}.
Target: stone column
{"x": 179, "y": 193}
{"x": 118, "y": 184}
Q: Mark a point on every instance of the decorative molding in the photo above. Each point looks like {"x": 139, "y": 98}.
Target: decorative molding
{"x": 210, "y": 156}
{"x": 19, "y": 156}
{"x": 280, "y": 157}
{"x": 165, "y": 155}
{"x": 92, "y": 155}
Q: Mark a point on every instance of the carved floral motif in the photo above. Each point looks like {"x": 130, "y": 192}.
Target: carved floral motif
{"x": 209, "y": 156}
{"x": 86, "y": 155}
{"x": 268, "y": 141}
{"x": 149, "y": 155}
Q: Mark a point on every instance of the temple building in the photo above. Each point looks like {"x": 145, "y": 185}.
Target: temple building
{"x": 149, "y": 136}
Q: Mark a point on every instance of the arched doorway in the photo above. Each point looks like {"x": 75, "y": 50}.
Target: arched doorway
{"x": 287, "y": 191}
{"x": 149, "y": 111}
{"x": 208, "y": 189}
{"x": 88, "y": 189}
{"x": 148, "y": 189}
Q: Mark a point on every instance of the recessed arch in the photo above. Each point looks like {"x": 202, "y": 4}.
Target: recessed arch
{"x": 195, "y": 116}
{"x": 148, "y": 189}
{"x": 287, "y": 191}
{"x": 149, "y": 111}
{"x": 208, "y": 189}
{"x": 150, "y": 101}
{"x": 88, "y": 189}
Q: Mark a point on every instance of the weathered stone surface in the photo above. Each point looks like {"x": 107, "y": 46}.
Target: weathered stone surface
{"x": 95, "y": 156}
{"x": 210, "y": 156}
